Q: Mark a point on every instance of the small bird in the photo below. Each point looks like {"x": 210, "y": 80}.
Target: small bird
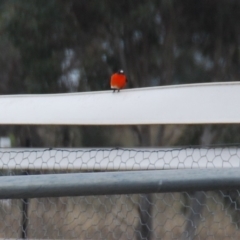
{"x": 118, "y": 80}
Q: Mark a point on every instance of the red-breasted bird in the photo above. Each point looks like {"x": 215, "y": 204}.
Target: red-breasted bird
{"x": 118, "y": 80}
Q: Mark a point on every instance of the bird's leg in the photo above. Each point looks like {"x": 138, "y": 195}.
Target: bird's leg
{"x": 114, "y": 90}
{"x": 118, "y": 90}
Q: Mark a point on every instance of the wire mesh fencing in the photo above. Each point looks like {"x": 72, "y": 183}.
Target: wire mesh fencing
{"x": 184, "y": 215}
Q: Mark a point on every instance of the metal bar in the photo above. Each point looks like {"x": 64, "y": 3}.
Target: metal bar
{"x": 83, "y": 184}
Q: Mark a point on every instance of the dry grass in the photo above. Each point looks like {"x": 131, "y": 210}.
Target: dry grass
{"x": 115, "y": 217}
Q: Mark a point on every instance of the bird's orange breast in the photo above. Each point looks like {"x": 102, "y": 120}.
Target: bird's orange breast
{"x": 118, "y": 81}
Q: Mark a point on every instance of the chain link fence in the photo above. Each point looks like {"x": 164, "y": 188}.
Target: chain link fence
{"x": 184, "y": 215}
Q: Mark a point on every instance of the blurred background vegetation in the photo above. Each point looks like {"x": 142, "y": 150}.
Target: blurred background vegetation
{"x": 53, "y": 46}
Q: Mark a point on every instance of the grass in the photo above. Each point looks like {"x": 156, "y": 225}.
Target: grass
{"x": 115, "y": 217}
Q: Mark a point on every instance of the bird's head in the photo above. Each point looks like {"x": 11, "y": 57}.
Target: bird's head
{"x": 120, "y": 71}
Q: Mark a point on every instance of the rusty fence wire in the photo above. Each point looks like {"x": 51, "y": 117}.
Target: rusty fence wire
{"x": 184, "y": 215}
